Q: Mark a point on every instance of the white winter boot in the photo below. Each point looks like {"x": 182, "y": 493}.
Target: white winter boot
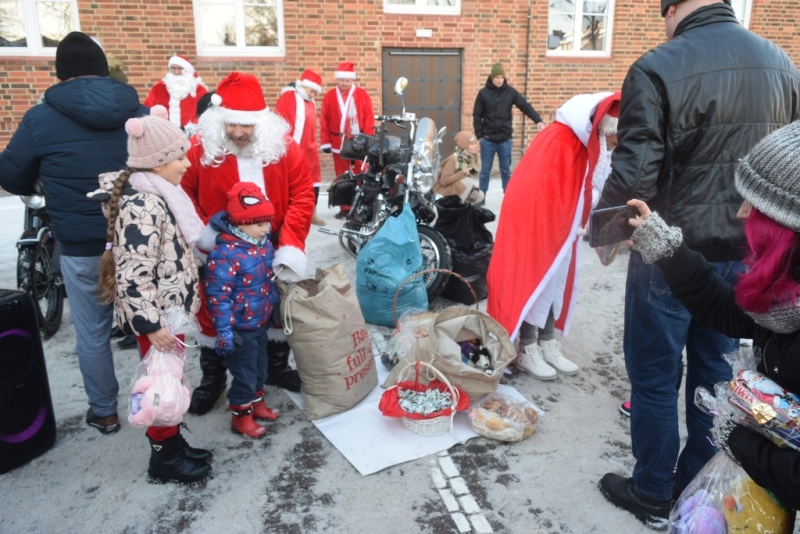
{"x": 531, "y": 361}
{"x": 551, "y": 351}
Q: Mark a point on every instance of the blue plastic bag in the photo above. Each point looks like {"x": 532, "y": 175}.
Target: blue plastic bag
{"x": 383, "y": 264}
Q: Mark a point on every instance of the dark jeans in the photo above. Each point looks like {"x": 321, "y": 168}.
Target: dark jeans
{"x": 657, "y": 327}
{"x": 248, "y": 365}
{"x": 488, "y": 150}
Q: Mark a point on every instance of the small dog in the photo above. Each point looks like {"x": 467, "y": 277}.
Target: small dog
{"x": 476, "y": 355}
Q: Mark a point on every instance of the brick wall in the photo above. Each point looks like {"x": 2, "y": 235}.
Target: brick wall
{"x": 321, "y": 34}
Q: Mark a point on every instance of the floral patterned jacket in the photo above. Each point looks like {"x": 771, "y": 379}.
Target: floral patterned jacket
{"x": 156, "y": 268}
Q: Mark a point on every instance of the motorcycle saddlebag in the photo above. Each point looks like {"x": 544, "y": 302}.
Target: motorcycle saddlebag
{"x": 357, "y": 147}
{"x": 343, "y": 190}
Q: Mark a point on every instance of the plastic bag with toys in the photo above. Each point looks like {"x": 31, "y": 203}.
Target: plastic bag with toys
{"x": 500, "y": 417}
{"x": 413, "y": 325}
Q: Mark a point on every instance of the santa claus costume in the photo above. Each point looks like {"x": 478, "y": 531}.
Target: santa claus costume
{"x": 179, "y": 94}
{"x": 275, "y": 163}
{"x": 345, "y": 113}
{"x": 298, "y": 108}
{"x": 549, "y": 196}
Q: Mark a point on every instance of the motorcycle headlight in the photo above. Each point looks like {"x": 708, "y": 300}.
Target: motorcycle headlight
{"x": 424, "y": 181}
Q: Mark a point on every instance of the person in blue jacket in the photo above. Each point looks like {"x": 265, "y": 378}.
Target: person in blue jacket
{"x": 67, "y": 141}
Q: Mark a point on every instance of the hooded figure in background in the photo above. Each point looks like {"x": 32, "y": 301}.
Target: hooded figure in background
{"x": 533, "y": 275}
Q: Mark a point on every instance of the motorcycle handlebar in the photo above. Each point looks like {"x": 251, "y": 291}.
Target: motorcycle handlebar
{"x": 393, "y": 118}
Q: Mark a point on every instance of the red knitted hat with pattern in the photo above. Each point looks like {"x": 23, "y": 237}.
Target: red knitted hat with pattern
{"x": 247, "y": 205}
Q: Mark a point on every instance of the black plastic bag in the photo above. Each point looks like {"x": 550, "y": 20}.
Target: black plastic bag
{"x": 463, "y": 224}
{"x": 473, "y": 265}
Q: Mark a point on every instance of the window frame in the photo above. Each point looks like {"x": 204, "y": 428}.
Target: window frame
{"x": 609, "y": 35}
{"x": 745, "y": 19}
{"x": 239, "y": 50}
{"x": 420, "y": 7}
{"x": 33, "y": 36}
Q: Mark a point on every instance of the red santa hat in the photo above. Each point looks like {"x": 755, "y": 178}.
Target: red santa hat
{"x": 345, "y": 71}
{"x": 241, "y": 99}
{"x": 311, "y": 80}
{"x": 184, "y": 63}
{"x": 247, "y": 205}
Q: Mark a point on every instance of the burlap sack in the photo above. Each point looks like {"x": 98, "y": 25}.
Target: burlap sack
{"x": 332, "y": 348}
{"x": 440, "y": 348}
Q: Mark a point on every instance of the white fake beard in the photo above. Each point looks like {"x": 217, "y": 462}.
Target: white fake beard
{"x": 180, "y": 86}
{"x": 268, "y": 139}
{"x": 603, "y": 167}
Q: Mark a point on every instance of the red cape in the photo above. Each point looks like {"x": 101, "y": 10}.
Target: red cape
{"x": 537, "y": 220}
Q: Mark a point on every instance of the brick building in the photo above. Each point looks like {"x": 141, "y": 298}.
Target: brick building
{"x": 445, "y": 47}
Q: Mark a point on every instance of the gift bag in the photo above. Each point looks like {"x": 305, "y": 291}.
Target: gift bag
{"x": 722, "y": 499}
{"x": 161, "y": 392}
{"x": 332, "y": 348}
{"x": 441, "y": 348}
{"x": 383, "y": 264}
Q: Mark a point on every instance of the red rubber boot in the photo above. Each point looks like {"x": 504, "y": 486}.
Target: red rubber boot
{"x": 261, "y": 411}
{"x": 242, "y": 422}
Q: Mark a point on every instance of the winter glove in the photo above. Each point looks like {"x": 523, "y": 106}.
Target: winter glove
{"x": 225, "y": 342}
{"x": 327, "y": 150}
{"x": 721, "y": 431}
{"x": 654, "y": 239}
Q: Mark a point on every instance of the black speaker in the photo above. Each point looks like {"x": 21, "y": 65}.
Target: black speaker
{"x": 27, "y": 421}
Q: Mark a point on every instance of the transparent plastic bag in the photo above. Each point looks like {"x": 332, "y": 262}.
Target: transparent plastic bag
{"x": 161, "y": 391}
{"x": 500, "y": 417}
{"x": 412, "y": 326}
{"x": 722, "y": 499}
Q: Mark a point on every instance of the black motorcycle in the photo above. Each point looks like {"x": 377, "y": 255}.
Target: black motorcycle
{"x": 38, "y": 271}
{"x": 399, "y": 174}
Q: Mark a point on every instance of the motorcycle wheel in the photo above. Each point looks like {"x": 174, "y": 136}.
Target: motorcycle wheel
{"x": 435, "y": 255}
{"x": 34, "y": 277}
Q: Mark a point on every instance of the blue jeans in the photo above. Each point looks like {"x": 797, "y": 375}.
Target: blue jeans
{"x": 657, "y": 327}
{"x": 488, "y": 150}
{"x": 248, "y": 365}
{"x": 93, "y": 322}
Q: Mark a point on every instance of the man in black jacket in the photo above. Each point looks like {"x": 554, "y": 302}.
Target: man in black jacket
{"x": 492, "y": 121}
{"x": 690, "y": 109}
{"x": 66, "y": 142}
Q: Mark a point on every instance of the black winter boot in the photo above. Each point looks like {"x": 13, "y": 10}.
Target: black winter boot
{"x": 278, "y": 371}
{"x": 215, "y": 378}
{"x": 200, "y": 455}
{"x": 168, "y": 463}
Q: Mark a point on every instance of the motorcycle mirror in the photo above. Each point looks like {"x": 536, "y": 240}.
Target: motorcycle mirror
{"x": 442, "y": 132}
{"x": 400, "y": 86}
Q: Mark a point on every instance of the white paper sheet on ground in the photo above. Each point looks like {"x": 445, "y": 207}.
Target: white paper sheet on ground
{"x": 372, "y": 442}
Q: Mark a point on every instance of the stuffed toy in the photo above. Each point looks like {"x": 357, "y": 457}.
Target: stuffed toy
{"x": 159, "y": 396}
{"x": 476, "y": 355}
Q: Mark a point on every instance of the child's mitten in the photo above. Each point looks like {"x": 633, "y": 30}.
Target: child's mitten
{"x": 225, "y": 345}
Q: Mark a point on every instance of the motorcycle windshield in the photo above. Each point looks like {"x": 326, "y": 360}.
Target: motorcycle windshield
{"x": 426, "y": 153}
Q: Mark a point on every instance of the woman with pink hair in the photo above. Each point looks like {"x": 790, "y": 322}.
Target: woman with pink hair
{"x": 764, "y": 303}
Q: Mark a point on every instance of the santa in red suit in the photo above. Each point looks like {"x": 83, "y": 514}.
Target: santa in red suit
{"x": 178, "y": 91}
{"x": 346, "y": 111}
{"x": 296, "y": 105}
{"x": 533, "y": 274}
{"x": 242, "y": 141}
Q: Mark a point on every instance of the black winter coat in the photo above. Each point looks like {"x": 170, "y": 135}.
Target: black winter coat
{"x": 491, "y": 115}
{"x": 690, "y": 110}
{"x": 711, "y": 302}
{"x": 77, "y": 134}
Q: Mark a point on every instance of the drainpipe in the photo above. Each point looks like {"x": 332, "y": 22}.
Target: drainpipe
{"x": 527, "y": 62}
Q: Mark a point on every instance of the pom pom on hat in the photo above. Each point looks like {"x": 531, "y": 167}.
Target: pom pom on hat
{"x": 154, "y": 141}
{"x": 248, "y": 205}
{"x": 159, "y": 111}
{"x": 345, "y": 71}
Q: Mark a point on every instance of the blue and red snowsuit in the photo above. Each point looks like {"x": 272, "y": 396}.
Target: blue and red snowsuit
{"x": 240, "y": 295}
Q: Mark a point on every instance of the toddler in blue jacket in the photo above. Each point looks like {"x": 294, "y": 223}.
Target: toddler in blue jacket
{"x": 241, "y": 293}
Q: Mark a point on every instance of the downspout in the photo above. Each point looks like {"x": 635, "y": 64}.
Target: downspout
{"x": 527, "y": 62}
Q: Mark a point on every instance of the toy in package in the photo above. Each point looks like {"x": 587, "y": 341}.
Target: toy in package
{"x": 497, "y": 416}
{"x": 412, "y": 326}
{"x": 722, "y": 499}
{"x": 161, "y": 391}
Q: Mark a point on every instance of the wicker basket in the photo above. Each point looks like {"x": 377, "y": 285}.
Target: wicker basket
{"x": 435, "y": 426}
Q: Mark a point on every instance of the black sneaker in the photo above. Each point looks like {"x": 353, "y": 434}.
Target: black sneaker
{"x": 621, "y": 492}
{"x": 106, "y": 425}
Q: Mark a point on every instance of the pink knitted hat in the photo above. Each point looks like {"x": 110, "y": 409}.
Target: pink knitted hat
{"x": 153, "y": 140}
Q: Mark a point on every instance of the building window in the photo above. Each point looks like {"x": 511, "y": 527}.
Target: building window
{"x": 742, "y": 10}
{"x": 239, "y": 27}
{"x": 35, "y": 27}
{"x": 425, "y": 7}
{"x": 580, "y": 27}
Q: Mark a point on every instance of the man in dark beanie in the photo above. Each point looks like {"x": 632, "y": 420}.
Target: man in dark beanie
{"x": 690, "y": 111}
{"x": 492, "y": 121}
{"x": 76, "y": 134}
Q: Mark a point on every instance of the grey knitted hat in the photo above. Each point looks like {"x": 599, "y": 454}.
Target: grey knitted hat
{"x": 769, "y": 176}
